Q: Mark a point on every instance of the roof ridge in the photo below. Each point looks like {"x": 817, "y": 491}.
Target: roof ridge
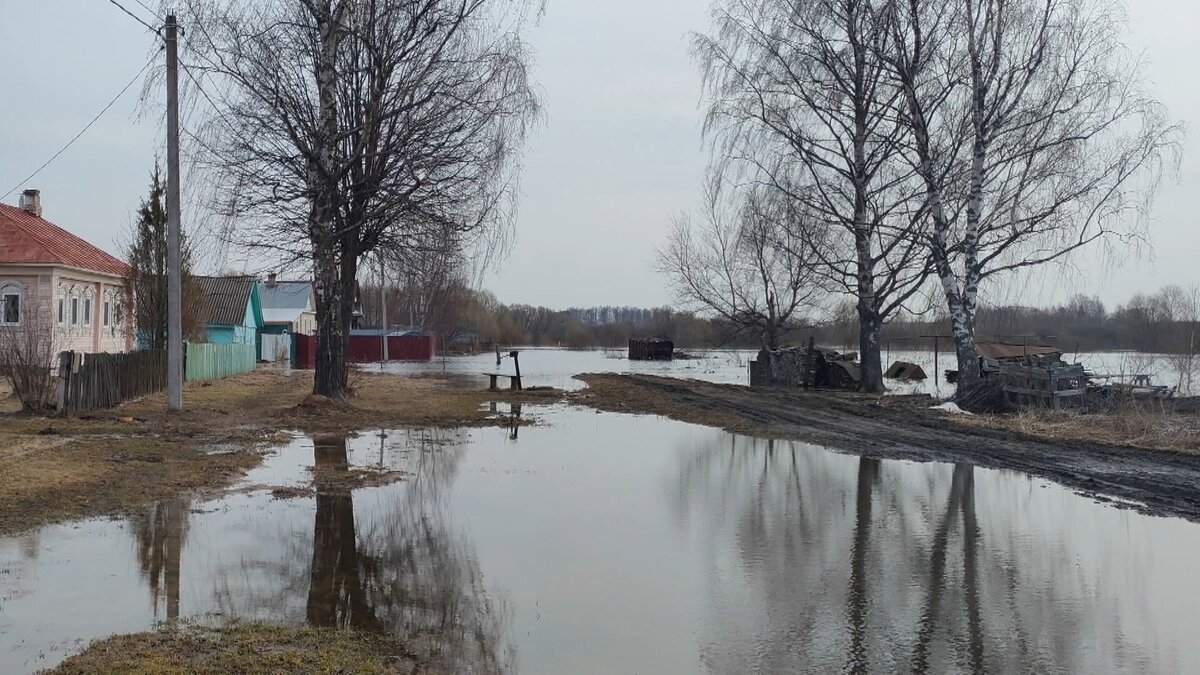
{"x": 22, "y": 227}
{"x": 60, "y": 244}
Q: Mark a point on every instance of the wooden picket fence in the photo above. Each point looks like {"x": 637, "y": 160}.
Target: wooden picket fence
{"x": 212, "y": 362}
{"x": 93, "y": 381}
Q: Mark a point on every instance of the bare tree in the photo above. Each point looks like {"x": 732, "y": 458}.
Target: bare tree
{"x": 28, "y": 353}
{"x": 800, "y": 103}
{"x": 1180, "y": 310}
{"x": 344, "y": 127}
{"x": 749, "y": 261}
{"x": 1031, "y": 135}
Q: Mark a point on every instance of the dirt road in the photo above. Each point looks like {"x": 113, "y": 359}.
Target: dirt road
{"x": 1157, "y": 482}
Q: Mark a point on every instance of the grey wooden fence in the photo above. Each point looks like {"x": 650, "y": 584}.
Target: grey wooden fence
{"x": 1054, "y": 387}
{"x": 93, "y": 381}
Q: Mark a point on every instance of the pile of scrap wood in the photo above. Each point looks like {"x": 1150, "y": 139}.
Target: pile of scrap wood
{"x": 804, "y": 367}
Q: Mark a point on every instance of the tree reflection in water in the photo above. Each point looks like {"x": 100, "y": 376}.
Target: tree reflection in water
{"x": 394, "y": 566}
{"x": 159, "y": 534}
{"x": 863, "y": 565}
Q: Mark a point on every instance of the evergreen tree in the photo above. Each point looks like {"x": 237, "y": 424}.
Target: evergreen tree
{"x": 145, "y": 304}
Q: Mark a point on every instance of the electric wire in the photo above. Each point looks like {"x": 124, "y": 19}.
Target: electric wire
{"x": 135, "y": 17}
{"x": 83, "y": 131}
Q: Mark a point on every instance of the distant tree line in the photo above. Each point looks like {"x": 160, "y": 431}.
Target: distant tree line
{"x": 1167, "y": 321}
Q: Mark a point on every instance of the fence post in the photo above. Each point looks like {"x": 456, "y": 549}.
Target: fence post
{"x": 64, "y": 380}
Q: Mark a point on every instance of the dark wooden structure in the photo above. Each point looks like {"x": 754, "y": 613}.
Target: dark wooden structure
{"x": 805, "y": 367}
{"x": 651, "y": 349}
{"x": 514, "y": 381}
{"x": 1053, "y": 386}
{"x": 93, "y": 381}
{"x": 906, "y": 371}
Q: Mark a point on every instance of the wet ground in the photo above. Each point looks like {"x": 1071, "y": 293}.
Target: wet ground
{"x": 612, "y": 543}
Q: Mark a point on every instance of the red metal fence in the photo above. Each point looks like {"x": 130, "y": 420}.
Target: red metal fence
{"x": 369, "y": 349}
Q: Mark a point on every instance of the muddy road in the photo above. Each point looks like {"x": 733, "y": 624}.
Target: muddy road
{"x": 1152, "y": 481}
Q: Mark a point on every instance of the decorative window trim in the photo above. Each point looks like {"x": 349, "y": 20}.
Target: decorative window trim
{"x": 12, "y": 289}
{"x": 88, "y": 304}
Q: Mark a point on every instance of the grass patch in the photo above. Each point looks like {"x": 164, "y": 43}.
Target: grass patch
{"x": 1133, "y": 425}
{"x": 249, "y": 648}
{"x": 111, "y": 462}
{"x": 53, "y": 478}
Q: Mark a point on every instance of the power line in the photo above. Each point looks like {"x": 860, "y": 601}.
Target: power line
{"x": 187, "y": 70}
{"x": 83, "y": 131}
{"x": 152, "y": 12}
{"x": 135, "y": 17}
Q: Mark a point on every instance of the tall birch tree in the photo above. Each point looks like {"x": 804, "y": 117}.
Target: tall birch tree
{"x": 800, "y": 102}
{"x": 1030, "y": 132}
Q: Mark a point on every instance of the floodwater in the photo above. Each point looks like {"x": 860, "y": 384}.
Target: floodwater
{"x": 544, "y": 367}
{"x": 601, "y": 543}
{"x": 557, "y": 367}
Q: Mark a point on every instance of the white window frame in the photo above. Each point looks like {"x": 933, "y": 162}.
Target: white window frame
{"x": 63, "y": 307}
{"x": 88, "y": 302}
{"x": 10, "y": 289}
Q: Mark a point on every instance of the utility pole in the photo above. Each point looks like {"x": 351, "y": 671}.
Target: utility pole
{"x": 174, "y": 274}
{"x": 383, "y": 306}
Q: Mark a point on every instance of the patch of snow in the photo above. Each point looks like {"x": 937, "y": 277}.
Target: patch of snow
{"x": 952, "y": 408}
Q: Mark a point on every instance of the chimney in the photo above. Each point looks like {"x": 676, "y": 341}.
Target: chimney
{"x": 31, "y": 201}
{"x": 271, "y": 280}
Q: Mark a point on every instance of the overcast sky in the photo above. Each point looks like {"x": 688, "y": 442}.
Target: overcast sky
{"x": 618, "y": 155}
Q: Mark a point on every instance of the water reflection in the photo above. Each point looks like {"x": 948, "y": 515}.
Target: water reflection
{"x": 512, "y": 419}
{"x": 860, "y": 565}
{"x": 336, "y": 597}
{"x": 400, "y": 569}
{"x": 614, "y": 543}
{"x": 159, "y": 535}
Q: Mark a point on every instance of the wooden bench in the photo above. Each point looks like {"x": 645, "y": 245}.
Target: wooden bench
{"x": 514, "y": 381}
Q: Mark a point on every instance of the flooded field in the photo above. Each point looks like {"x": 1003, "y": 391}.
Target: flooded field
{"x": 557, "y": 367}
{"x": 612, "y": 543}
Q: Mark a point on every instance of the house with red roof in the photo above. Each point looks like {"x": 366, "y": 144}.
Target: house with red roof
{"x": 49, "y": 274}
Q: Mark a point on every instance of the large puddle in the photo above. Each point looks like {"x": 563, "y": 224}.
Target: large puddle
{"x": 610, "y": 543}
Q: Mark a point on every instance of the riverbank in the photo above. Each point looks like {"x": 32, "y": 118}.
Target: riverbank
{"x": 110, "y": 462}
{"x": 1097, "y": 455}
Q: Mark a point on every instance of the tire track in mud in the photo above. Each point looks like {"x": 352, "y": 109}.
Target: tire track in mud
{"x": 1151, "y": 481}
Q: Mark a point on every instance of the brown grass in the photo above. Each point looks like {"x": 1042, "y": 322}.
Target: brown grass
{"x": 109, "y": 462}
{"x": 250, "y": 648}
{"x": 49, "y": 479}
{"x": 1132, "y": 426}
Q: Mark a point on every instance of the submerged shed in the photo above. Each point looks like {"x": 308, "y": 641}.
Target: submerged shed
{"x": 651, "y": 349}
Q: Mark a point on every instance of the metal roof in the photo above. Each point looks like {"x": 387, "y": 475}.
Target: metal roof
{"x": 297, "y": 295}
{"x": 227, "y": 298}
{"x": 28, "y": 239}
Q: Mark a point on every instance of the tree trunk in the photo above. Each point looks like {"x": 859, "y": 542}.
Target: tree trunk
{"x": 330, "y": 378}
{"x": 868, "y": 319}
{"x": 869, "y": 352}
{"x": 964, "y": 347}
